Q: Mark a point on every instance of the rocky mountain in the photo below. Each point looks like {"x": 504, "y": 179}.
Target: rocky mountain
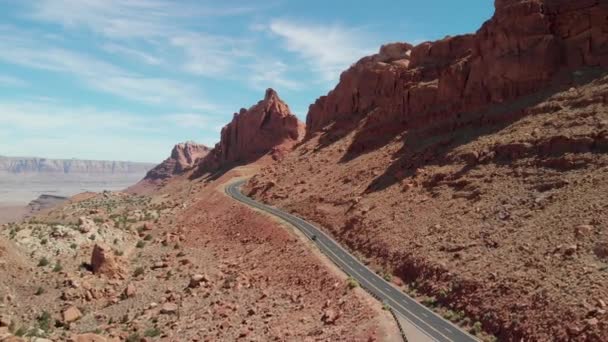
{"x": 183, "y": 157}
{"x": 440, "y": 86}
{"x": 27, "y": 165}
{"x": 268, "y": 126}
{"x": 473, "y": 169}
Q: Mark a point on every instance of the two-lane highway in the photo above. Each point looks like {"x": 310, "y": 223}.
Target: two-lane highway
{"x": 433, "y": 325}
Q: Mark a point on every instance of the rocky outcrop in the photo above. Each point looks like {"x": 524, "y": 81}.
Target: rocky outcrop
{"x": 520, "y": 50}
{"x": 104, "y": 263}
{"x": 17, "y": 165}
{"x": 183, "y": 157}
{"x": 266, "y": 127}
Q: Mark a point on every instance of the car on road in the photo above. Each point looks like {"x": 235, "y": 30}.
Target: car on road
{"x": 313, "y": 237}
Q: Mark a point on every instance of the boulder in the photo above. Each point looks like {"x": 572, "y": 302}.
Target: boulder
{"x": 72, "y": 314}
{"x": 169, "y": 308}
{"x": 105, "y": 263}
{"x": 196, "y": 280}
{"x": 129, "y": 291}
{"x": 85, "y": 225}
{"x": 5, "y": 320}
{"x": 330, "y": 316}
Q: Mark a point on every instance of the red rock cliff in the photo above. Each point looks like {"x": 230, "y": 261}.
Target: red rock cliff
{"x": 183, "y": 156}
{"x": 254, "y": 132}
{"x": 518, "y": 51}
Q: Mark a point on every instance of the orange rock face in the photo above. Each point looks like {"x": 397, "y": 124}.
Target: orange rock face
{"x": 521, "y": 49}
{"x": 103, "y": 262}
{"x": 253, "y": 132}
{"x": 183, "y": 157}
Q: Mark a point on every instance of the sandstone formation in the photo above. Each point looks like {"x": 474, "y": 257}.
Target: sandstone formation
{"x": 268, "y": 126}
{"x": 473, "y": 169}
{"x": 437, "y": 86}
{"x": 183, "y": 157}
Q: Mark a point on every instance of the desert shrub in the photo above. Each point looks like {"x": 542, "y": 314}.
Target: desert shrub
{"x": 43, "y": 262}
{"x": 476, "y": 328}
{"x": 134, "y": 337}
{"x": 148, "y": 237}
{"x": 140, "y": 244}
{"x": 352, "y": 283}
{"x": 152, "y": 332}
{"x": 45, "y": 321}
{"x": 429, "y": 302}
{"x": 138, "y": 271}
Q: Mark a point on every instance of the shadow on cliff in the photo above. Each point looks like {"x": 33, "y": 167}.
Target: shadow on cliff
{"x": 431, "y": 146}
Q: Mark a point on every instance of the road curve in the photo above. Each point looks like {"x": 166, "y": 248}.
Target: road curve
{"x": 433, "y": 325}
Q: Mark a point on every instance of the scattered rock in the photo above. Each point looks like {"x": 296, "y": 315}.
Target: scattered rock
{"x": 583, "y": 230}
{"x": 169, "y": 308}
{"x": 87, "y": 338}
{"x": 330, "y": 316}
{"x": 196, "y": 280}
{"x": 129, "y": 291}
{"x": 5, "y": 320}
{"x": 85, "y": 225}
{"x": 72, "y": 314}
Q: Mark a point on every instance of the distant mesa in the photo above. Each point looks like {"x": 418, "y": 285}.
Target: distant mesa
{"x": 34, "y": 165}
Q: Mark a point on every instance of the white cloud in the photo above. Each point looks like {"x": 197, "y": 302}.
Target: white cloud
{"x": 99, "y": 75}
{"x": 189, "y": 120}
{"x": 267, "y": 73}
{"x": 125, "y": 18}
{"x": 14, "y": 82}
{"x": 132, "y": 53}
{"x": 327, "y": 49}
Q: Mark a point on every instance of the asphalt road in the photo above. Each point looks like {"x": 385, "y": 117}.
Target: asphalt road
{"x": 433, "y": 325}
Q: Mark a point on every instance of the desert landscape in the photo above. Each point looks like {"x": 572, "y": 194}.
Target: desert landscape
{"x": 23, "y": 180}
{"x": 449, "y": 190}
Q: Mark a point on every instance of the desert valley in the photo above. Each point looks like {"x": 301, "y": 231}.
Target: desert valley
{"x": 468, "y": 175}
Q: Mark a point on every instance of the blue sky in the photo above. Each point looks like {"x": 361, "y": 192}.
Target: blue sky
{"x": 127, "y": 79}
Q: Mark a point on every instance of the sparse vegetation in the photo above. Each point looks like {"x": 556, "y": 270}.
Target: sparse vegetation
{"x": 43, "y": 262}
{"x": 58, "y": 267}
{"x": 138, "y": 271}
{"x": 140, "y": 244}
{"x": 39, "y": 291}
{"x": 152, "y": 332}
{"x": 134, "y": 337}
{"x": 45, "y": 321}
{"x": 430, "y": 302}
{"x": 476, "y": 328}
{"x": 352, "y": 283}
